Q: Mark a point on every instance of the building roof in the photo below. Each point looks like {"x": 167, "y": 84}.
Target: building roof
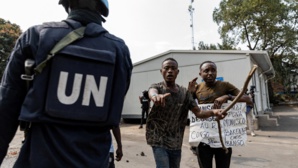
{"x": 260, "y": 57}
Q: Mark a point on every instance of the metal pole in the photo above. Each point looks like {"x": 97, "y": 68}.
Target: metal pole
{"x": 191, "y": 9}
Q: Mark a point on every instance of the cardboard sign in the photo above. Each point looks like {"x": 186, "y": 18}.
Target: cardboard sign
{"x": 233, "y": 127}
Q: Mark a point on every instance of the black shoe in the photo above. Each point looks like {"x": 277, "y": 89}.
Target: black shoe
{"x": 194, "y": 150}
{"x": 140, "y": 127}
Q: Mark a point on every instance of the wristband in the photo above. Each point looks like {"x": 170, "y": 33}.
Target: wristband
{"x": 153, "y": 95}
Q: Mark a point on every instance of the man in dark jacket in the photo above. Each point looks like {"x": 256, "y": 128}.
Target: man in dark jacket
{"x": 145, "y": 102}
{"x": 53, "y": 141}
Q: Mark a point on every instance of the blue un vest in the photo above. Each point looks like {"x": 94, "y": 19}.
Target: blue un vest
{"x": 79, "y": 86}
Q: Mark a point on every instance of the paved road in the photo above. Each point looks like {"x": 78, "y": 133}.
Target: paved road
{"x": 273, "y": 147}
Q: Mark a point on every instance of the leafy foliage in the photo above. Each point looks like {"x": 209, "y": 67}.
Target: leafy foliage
{"x": 261, "y": 24}
{"x": 8, "y": 35}
{"x": 269, "y": 25}
{"x": 223, "y": 46}
{"x": 288, "y": 74}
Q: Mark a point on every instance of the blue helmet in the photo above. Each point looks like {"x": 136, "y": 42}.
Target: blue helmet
{"x": 105, "y": 8}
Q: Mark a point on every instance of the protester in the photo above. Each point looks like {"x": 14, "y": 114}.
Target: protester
{"x": 145, "y": 102}
{"x": 249, "y": 117}
{"x": 168, "y": 116}
{"x": 216, "y": 92}
{"x": 71, "y": 141}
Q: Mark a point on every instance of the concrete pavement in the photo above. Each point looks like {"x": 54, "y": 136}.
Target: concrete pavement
{"x": 273, "y": 147}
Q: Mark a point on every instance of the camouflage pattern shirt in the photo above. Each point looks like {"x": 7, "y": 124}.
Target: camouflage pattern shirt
{"x": 165, "y": 125}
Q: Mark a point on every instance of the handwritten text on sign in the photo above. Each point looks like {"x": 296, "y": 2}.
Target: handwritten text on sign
{"x": 206, "y": 130}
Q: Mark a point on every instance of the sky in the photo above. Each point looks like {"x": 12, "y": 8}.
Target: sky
{"x": 148, "y": 27}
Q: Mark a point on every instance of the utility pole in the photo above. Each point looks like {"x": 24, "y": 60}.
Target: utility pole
{"x": 191, "y": 10}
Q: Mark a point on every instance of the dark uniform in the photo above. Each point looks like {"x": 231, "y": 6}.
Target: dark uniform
{"x": 145, "y": 106}
{"x": 51, "y": 142}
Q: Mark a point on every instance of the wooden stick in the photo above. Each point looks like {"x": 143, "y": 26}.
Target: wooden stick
{"x": 254, "y": 68}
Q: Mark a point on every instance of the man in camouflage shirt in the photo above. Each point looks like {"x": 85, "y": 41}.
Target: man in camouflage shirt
{"x": 168, "y": 116}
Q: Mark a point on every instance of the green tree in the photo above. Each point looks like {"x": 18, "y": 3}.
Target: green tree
{"x": 223, "y": 46}
{"x": 8, "y": 36}
{"x": 203, "y": 46}
{"x": 269, "y": 25}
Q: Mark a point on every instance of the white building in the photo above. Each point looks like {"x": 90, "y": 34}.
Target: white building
{"x": 232, "y": 66}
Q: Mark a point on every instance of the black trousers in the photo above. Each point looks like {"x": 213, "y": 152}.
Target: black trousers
{"x": 144, "y": 111}
{"x": 111, "y": 161}
{"x": 205, "y": 156}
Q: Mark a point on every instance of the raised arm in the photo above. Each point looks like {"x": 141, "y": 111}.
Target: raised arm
{"x": 192, "y": 85}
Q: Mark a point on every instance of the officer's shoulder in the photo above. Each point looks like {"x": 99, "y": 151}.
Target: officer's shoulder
{"x": 114, "y": 38}
{"x": 36, "y": 29}
{"x": 55, "y": 24}
{"x": 46, "y": 25}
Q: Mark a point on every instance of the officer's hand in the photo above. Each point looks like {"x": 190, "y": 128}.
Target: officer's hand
{"x": 192, "y": 85}
{"x": 160, "y": 99}
{"x": 119, "y": 154}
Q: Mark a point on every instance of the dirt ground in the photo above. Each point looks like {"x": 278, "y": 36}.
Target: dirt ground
{"x": 273, "y": 147}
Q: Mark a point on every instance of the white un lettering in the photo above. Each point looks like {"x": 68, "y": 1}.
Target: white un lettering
{"x": 90, "y": 88}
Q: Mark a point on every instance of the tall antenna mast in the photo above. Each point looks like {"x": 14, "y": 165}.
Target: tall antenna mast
{"x": 191, "y": 10}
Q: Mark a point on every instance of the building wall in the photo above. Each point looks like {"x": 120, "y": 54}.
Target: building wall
{"x": 232, "y": 67}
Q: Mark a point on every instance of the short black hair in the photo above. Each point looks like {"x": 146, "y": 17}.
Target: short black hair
{"x": 169, "y": 59}
{"x": 206, "y": 62}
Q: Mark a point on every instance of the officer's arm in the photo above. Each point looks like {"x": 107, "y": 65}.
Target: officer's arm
{"x": 117, "y": 135}
{"x": 9, "y": 112}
